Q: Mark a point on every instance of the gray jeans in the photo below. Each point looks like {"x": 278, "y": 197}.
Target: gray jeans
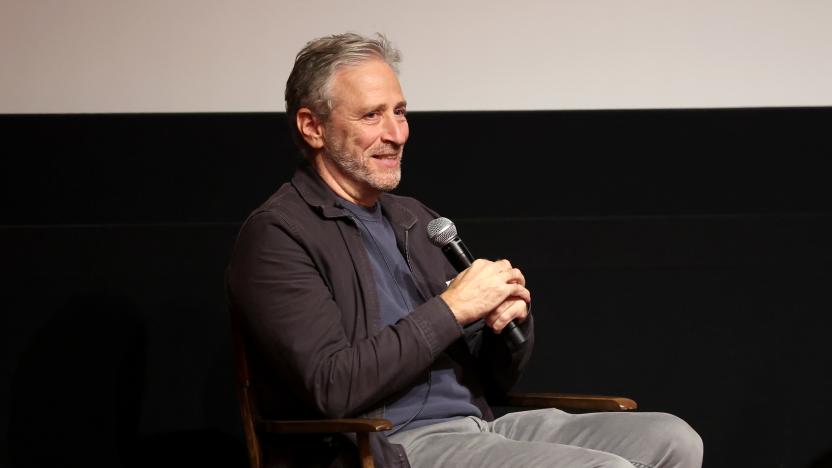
{"x": 553, "y": 438}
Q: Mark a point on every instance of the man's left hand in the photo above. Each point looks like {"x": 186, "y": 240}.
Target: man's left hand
{"x": 513, "y": 308}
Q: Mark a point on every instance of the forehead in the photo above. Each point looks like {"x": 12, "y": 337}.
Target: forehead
{"x": 367, "y": 83}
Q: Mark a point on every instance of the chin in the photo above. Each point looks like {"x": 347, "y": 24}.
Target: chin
{"x": 386, "y": 182}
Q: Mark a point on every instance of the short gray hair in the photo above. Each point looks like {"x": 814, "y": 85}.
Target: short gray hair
{"x": 309, "y": 83}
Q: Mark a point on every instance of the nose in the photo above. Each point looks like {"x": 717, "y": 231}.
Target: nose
{"x": 396, "y": 130}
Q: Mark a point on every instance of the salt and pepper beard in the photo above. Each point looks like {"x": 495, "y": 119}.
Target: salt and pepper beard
{"x": 357, "y": 166}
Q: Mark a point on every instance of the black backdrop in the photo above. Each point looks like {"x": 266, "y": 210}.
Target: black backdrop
{"x": 680, "y": 257}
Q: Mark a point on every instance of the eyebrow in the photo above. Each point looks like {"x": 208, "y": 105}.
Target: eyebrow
{"x": 383, "y": 106}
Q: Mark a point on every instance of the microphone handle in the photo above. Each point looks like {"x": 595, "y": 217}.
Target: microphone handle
{"x": 461, "y": 258}
{"x": 459, "y": 255}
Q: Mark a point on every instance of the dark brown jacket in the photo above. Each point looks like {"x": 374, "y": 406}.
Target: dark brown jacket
{"x": 301, "y": 280}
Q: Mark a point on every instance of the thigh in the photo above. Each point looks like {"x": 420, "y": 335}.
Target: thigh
{"x": 468, "y": 444}
{"x": 646, "y": 439}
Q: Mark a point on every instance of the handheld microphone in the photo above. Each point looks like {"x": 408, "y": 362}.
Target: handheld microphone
{"x": 442, "y": 233}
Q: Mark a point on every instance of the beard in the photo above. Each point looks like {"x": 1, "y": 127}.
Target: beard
{"x": 358, "y": 166}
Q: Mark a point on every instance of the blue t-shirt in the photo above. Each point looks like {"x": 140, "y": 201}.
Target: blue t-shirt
{"x": 438, "y": 395}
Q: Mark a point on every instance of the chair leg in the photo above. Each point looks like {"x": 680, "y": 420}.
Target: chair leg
{"x": 364, "y": 451}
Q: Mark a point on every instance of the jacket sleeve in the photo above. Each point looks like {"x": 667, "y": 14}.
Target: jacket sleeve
{"x": 294, "y": 321}
{"x": 500, "y": 366}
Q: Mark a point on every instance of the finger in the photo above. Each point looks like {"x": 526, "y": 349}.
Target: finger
{"x": 520, "y": 311}
{"x": 514, "y": 289}
{"x": 512, "y": 309}
{"x": 491, "y": 321}
{"x": 515, "y": 276}
{"x": 501, "y": 309}
{"x": 499, "y": 321}
{"x": 503, "y": 265}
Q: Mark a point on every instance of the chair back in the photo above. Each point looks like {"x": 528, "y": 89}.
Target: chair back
{"x": 248, "y": 404}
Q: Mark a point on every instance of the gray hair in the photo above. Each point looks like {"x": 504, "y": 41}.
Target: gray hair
{"x": 310, "y": 81}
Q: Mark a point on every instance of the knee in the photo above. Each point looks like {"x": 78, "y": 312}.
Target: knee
{"x": 684, "y": 447}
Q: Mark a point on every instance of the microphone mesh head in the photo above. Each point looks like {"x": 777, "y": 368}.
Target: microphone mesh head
{"x": 441, "y": 231}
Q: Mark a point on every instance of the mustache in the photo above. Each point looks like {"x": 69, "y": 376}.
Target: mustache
{"x": 387, "y": 150}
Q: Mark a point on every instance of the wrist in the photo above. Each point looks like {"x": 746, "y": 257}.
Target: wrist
{"x": 454, "y": 306}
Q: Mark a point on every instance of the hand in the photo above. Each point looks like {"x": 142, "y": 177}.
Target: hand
{"x": 482, "y": 288}
{"x": 513, "y": 308}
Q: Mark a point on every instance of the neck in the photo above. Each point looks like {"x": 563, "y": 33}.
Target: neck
{"x": 343, "y": 185}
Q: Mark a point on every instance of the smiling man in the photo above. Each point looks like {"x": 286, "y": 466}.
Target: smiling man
{"x": 358, "y": 149}
{"x": 349, "y": 309}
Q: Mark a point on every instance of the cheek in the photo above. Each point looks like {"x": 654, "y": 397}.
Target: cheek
{"x": 406, "y": 130}
{"x": 367, "y": 138}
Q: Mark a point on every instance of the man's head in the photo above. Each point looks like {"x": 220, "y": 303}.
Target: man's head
{"x": 347, "y": 113}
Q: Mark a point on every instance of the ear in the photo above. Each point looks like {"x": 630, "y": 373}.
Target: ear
{"x": 310, "y": 127}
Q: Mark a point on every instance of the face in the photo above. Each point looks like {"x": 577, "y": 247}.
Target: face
{"x": 364, "y": 137}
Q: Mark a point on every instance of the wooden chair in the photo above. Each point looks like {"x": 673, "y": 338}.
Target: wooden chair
{"x": 254, "y": 427}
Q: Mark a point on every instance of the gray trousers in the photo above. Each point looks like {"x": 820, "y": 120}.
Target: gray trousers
{"x": 553, "y": 438}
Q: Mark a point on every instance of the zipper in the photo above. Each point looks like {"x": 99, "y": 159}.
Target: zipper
{"x": 407, "y": 251}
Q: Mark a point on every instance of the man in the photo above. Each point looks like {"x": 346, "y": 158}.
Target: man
{"x": 352, "y": 312}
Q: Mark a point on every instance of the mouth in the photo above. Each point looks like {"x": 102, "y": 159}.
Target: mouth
{"x": 388, "y": 160}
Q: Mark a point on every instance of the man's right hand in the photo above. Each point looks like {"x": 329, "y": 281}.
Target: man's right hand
{"x": 481, "y": 288}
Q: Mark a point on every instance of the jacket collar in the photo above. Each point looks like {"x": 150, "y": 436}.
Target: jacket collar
{"x": 315, "y": 192}
{"x": 320, "y": 197}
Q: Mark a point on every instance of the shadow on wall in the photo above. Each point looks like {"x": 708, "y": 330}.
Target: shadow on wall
{"x": 76, "y": 396}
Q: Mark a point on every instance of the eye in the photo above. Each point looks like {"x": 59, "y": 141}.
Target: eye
{"x": 372, "y": 115}
{"x": 401, "y": 111}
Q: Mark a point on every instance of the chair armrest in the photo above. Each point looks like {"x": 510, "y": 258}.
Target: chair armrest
{"x": 570, "y": 401}
{"x": 326, "y": 426}
{"x": 362, "y": 427}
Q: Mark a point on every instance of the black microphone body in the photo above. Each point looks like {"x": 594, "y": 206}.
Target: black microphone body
{"x": 461, "y": 258}
{"x": 458, "y": 254}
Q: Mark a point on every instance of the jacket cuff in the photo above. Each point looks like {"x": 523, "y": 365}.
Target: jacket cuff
{"x": 437, "y": 324}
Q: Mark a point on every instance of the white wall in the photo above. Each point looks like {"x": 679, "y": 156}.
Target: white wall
{"x": 68, "y": 56}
